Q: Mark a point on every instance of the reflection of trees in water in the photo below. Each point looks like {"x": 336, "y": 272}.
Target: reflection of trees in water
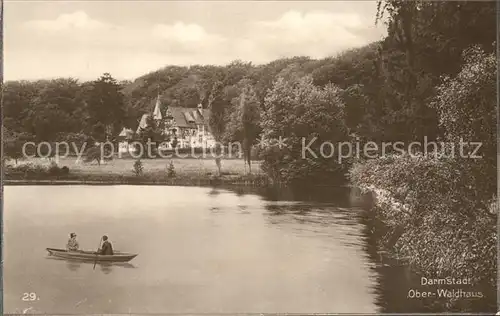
{"x": 324, "y": 207}
{"x": 323, "y": 214}
{"x": 277, "y": 209}
{"x": 214, "y": 192}
{"x": 243, "y": 209}
{"x": 394, "y": 280}
{"x": 337, "y": 195}
{"x": 240, "y": 191}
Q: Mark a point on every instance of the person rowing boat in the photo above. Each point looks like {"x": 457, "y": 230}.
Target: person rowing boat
{"x": 107, "y": 248}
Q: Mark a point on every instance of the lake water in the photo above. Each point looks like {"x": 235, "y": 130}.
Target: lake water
{"x": 201, "y": 250}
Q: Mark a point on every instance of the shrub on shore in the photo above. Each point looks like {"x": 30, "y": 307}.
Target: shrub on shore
{"x": 138, "y": 168}
{"x": 36, "y": 171}
{"x": 53, "y": 169}
{"x": 433, "y": 216}
{"x": 170, "y": 170}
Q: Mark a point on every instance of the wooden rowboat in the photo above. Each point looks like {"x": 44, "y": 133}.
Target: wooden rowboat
{"x": 91, "y": 256}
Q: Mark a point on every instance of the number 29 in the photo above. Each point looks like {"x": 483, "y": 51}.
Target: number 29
{"x": 29, "y": 296}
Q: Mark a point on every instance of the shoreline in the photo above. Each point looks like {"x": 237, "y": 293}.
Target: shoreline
{"x": 186, "y": 172}
{"x": 187, "y": 182}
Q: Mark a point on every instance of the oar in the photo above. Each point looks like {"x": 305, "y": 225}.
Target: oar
{"x": 97, "y": 252}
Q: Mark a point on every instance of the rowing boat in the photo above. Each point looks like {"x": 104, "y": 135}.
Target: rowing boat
{"x": 91, "y": 255}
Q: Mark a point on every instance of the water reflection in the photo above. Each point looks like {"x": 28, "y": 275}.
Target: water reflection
{"x": 214, "y": 192}
{"x": 106, "y": 267}
{"x": 243, "y": 209}
{"x": 323, "y": 220}
{"x": 73, "y": 265}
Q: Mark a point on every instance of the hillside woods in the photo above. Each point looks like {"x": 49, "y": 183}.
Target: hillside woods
{"x": 433, "y": 76}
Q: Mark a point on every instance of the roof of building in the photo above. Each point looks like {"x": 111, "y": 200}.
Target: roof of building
{"x": 188, "y": 117}
{"x": 183, "y": 117}
{"x": 143, "y": 123}
{"x": 126, "y": 133}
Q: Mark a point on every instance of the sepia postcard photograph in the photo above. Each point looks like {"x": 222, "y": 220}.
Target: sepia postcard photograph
{"x": 249, "y": 157}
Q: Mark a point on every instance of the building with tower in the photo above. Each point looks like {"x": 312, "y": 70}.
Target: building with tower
{"x": 188, "y": 127}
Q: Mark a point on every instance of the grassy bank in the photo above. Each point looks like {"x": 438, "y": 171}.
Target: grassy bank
{"x": 121, "y": 171}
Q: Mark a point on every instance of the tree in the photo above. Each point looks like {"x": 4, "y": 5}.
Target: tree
{"x": 152, "y": 134}
{"x": 93, "y": 153}
{"x": 236, "y": 71}
{"x": 217, "y": 120}
{"x": 424, "y": 44}
{"x": 299, "y": 113}
{"x": 48, "y": 121}
{"x": 13, "y": 144}
{"x": 467, "y": 112}
{"x": 244, "y": 121}
{"x": 264, "y": 76}
{"x": 44, "y": 108}
{"x": 433, "y": 34}
{"x": 106, "y": 105}
{"x": 17, "y": 100}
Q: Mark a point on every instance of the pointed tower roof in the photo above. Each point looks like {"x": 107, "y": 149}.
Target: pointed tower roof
{"x": 157, "y": 112}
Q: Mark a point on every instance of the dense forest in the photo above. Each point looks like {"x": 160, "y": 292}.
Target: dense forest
{"x": 433, "y": 76}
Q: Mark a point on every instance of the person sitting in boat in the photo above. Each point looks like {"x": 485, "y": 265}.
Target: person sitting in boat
{"x": 107, "y": 248}
{"x": 72, "y": 243}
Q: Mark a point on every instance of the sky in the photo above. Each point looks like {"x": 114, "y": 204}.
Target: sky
{"x": 84, "y": 39}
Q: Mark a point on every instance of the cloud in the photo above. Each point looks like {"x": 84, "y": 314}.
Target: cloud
{"x": 75, "y": 44}
{"x": 295, "y": 20}
{"x": 316, "y": 34}
{"x": 184, "y": 33}
{"x": 185, "y": 39}
{"x": 70, "y": 21}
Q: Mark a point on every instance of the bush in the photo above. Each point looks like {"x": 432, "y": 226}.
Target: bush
{"x": 54, "y": 169}
{"x": 23, "y": 168}
{"x": 138, "y": 168}
{"x": 440, "y": 225}
{"x": 35, "y": 171}
{"x": 64, "y": 170}
{"x": 171, "y": 170}
{"x": 186, "y": 151}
